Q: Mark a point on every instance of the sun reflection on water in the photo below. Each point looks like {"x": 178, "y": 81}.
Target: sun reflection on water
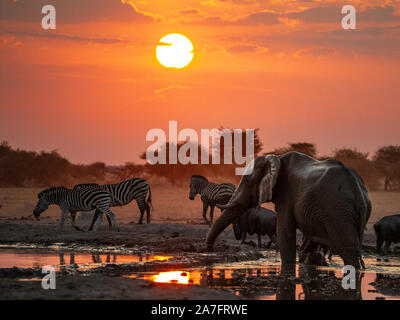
{"x": 178, "y": 277}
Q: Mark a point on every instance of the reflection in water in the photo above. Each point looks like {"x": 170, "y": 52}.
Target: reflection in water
{"x": 178, "y": 277}
{"x": 265, "y": 283}
{"x": 37, "y": 258}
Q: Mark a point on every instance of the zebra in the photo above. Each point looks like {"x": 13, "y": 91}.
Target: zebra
{"x": 122, "y": 194}
{"x": 73, "y": 200}
{"x": 211, "y": 194}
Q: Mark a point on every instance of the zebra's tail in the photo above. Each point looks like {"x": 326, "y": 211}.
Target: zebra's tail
{"x": 148, "y": 201}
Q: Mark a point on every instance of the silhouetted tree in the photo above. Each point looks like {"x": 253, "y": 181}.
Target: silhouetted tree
{"x": 387, "y": 161}
{"x": 303, "y": 147}
{"x": 359, "y": 161}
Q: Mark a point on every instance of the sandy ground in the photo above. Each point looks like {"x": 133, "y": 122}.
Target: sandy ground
{"x": 170, "y": 203}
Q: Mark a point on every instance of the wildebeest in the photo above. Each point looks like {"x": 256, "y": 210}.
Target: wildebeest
{"x": 387, "y": 230}
{"x": 257, "y": 220}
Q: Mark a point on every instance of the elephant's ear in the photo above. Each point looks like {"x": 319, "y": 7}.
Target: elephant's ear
{"x": 268, "y": 181}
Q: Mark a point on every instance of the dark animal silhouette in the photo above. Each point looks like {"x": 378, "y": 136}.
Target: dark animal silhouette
{"x": 258, "y": 221}
{"x": 387, "y": 230}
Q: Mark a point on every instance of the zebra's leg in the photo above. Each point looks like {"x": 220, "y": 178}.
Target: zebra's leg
{"x": 64, "y": 214}
{"x": 108, "y": 212}
{"x": 205, "y": 207}
{"x": 142, "y": 208}
{"x": 211, "y": 214}
{"x": 109, "y": 223}
{"x": 98, "y": 221}
{"x": 73, "y": 217}
{"x": 147, "y": 213}
{"x": 95, "y": 216}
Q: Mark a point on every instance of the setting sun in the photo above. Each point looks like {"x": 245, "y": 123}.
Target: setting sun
{"x": 174, "y": 51}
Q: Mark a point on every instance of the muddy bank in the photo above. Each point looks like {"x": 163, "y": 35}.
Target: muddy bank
{"x": 155, "y": 237}
{"x": 106, "y": 287}
{"x": 161, "y": 237}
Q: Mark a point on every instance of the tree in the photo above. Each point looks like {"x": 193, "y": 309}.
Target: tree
{"x": 129, "y": 170}
{"x": 387, "y": 161}
{"x": 359, "y": 162}
{"x": 303, "y": 147}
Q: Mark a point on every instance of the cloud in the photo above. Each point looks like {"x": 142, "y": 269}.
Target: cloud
{"x": 49, "y": 35}
{"x": 73, "y": 11}
{"x": 245, "y": 48}
{"x": 258, "y": 18}
{"x": 189, "y": 12}
{"x": 160, "y": 92}
{"x": 333, "y": 14}
{"x": 316, "y": 51}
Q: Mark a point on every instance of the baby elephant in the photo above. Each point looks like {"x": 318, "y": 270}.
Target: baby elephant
{"x": 256, "y": 220}
{"x": 387, "y": 230}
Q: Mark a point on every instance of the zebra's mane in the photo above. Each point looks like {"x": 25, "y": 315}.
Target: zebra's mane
{"x": 86, "y": 185}
{"x": 50, "y": 191}
{"x": 196, "y": 176}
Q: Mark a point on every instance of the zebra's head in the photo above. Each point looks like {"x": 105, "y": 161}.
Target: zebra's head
{"x": 196, "y": 184}
{"x": 47, "y": 197}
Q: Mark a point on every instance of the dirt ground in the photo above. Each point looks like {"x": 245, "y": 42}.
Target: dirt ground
{"x": 92, "y": 288}
{"x": 176, "y": 230}
{"x": 170, "y": 203}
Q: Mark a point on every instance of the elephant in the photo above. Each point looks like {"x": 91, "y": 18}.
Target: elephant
{"x": 313, "y": 253}
{"x": 387, "y": 230}
{"x": 256, "y": 220}
{"x": 326, "y": 200}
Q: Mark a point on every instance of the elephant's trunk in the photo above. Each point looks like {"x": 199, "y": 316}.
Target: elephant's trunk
{"x": 226, "y": 218}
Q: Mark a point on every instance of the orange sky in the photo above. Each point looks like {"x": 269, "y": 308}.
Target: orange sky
{"x": 92, "y": 88}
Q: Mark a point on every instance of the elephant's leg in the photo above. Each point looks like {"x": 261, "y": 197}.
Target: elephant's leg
{"x": 259, "y": 240}
{"x": 211, "y": 214}
{"x": 205, "y": 207}
{"x": 386, "y": 247}
{"x": 345, "y": 242}
{"x": 269, "y": 243}
{"x": 244, "y": 235}
{"x": 286, "y": 229}
{"x": 305, "y": 248}
{"x": 379, "y": 242}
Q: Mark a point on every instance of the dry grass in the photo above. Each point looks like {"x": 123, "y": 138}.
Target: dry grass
{"x": 170, "y": 203}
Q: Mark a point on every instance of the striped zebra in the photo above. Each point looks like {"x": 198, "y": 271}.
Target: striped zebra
{"x": 122, "y": 194}
{"x": 71, "y": 201}
{"x": 211, "y": 194}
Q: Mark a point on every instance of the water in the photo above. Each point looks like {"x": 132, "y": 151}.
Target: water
{"x": 251, "y": 279}
{"x": 260, "y": 280}
{"x": 38, "y": 258}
